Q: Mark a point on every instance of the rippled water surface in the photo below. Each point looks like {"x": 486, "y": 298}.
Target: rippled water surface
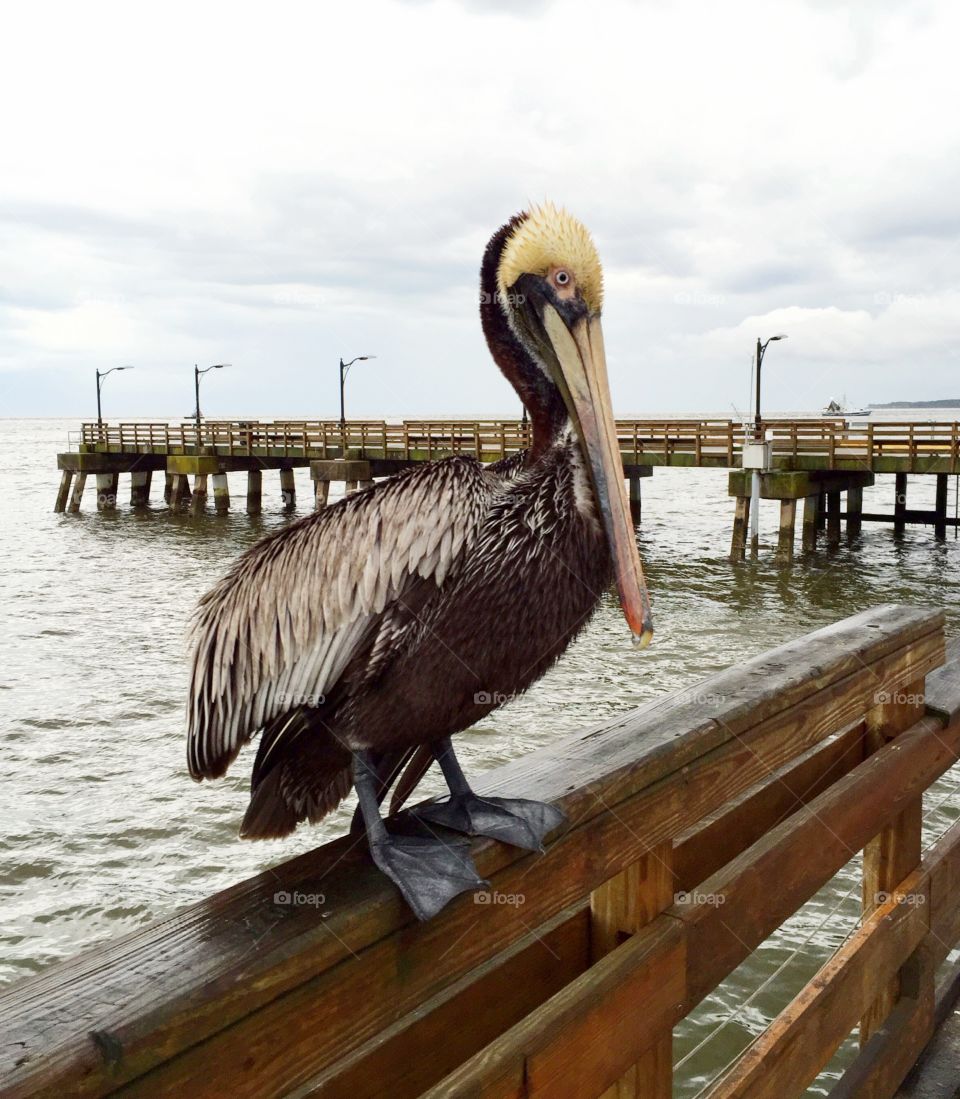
{"x": 101, "y": 830}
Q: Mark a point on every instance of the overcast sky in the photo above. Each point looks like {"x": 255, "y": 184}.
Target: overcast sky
{"x": 277, "y": 185}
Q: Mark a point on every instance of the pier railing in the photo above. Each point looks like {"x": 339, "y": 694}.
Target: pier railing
{"x": 650, "y": 442}
{"x": 696, "y": 825}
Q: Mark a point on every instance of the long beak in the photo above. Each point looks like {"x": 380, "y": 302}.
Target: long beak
{"x": 586, "y": 392}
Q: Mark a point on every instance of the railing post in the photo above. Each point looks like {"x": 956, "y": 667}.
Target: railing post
{"x": 897, "y": 849}
{"x": 618, "y": 909}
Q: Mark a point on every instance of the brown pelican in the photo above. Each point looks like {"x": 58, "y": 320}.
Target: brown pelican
{"x": 359, "y": 639}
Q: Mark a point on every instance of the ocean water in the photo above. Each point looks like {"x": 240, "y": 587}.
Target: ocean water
{"x": 101, "y": 829}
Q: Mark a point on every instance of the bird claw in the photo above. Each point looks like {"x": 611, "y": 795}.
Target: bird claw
{"x": 517, "y": 821}
{"x": 428, "y": 872}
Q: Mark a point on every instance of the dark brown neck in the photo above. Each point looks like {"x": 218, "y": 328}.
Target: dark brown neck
{"x": 539, "y": 395}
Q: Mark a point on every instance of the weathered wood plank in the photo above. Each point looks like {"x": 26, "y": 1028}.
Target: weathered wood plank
{"x": 434, "y": 1039}
{"x": 585, "y": 1037}
{"x": 943, "y": 862}
{"x": 717, "y": 839}
{"x": 895, "y": 1045}
{"x": 801, "y": 1040}
{"x": 768, "y": 882}
{"x": 891, "y": 855}
{"x": 620, "y": 908}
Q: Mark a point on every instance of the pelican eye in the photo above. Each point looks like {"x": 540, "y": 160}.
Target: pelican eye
{"x": 562, "y": 278}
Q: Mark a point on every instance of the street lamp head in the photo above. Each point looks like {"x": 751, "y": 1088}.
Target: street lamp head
{"x": 124, "y": 368}
{"x": 780, "y": 336}
{"x": 220, "y": 366}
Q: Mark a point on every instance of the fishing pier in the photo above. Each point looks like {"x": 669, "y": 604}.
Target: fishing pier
{"x": 822, "y": 465}
{"x": 696, "y": 825}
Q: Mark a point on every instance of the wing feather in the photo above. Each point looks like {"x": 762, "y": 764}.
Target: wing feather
{"x": 283, "y": 624}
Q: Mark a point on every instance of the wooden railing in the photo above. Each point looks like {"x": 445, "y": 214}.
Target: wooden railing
{"x": 709, "y": 442}
{"x": 696, "y": 825}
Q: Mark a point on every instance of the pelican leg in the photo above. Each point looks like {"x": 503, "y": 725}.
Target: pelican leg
{"x": 518, "y": 821}
{"x": 427, "y": 870}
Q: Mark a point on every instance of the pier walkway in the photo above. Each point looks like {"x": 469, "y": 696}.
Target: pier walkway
{"x": 813, "y": 462}
{"x": 696, "y": 825}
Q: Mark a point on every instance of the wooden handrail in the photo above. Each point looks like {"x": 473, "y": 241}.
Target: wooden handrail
{"x": 706, "y": 441}
{"x": 754, "y": 787}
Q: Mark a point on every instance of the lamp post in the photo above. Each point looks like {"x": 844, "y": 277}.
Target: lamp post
{"x": 100, "y": 378}
{"x": 758, "y": 438}
{"x": 761, "y": 349}
{"x": 344, "y": 370}
{"x": 197, "y": 374}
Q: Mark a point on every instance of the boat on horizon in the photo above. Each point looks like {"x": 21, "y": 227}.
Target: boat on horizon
{"x": 835, "y": 408}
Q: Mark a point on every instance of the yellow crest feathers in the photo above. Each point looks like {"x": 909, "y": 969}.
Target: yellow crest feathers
{"x": 550, "y": 237}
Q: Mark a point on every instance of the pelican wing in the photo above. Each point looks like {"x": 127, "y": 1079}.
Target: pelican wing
{"x": 278, "y": 630}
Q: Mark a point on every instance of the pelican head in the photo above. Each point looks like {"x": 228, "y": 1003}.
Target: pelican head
{"x": 550, "y": 286}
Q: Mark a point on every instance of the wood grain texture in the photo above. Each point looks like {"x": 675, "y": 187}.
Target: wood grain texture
{"x": 890, "y": 856}
{"x": 793, "y": 1049}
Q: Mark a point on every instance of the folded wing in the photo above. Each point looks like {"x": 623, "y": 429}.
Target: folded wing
{"x": 281, "y": 626}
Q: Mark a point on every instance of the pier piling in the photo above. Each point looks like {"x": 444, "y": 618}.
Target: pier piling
{"x": 833, "y": 518}
{"x": 221, "y": 493}
{"x": 77, "y": 494}
{"x": 167, "y": 487}
{"x": 811, "y": 521}
{"x": 107, "y": 486}
{"x": 179, "y": 491}
{"x": 741, "y": 521}
{"x": 140, "y": 480}
{"x": 254, "y": 491}
{"x": 288, "y": 489}
{"x": 854, "y": 510}
{"x": 940, "y": 519}
{"x": 788, "y": 522}
{"x": 321, "y": 492}
{"x": 63, "y": 495}
{"x": 900, "y": 504}
{"x": 199, "y": 500}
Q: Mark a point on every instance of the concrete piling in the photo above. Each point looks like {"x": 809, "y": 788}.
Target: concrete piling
{"x": 940, "y": 509}
{"x": 741, "y": 521}
{"x": 63, "y": 494}
{"x": 288, "y": 490}
{"x": 900, "y": 504}
{"x": 77, "y": 494}
{"x": 811, "y": 521}
{"x": 254, "y": 491}
{"x": 140, "y": 480}
{"x": 788, "y": 522}
{"x": 107, "y": 486}
{"x": 221, "y": 493}
{"x": 854, "y": 511}
{"x": 199, "y": 501}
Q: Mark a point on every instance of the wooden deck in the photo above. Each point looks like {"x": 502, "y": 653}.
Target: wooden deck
{"x": 696, "y": 825}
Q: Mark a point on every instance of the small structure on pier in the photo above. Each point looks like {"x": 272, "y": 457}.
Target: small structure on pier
{"x": 696, "y": 825}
